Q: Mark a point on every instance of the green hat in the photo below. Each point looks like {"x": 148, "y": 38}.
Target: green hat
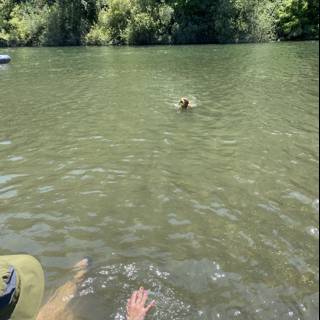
{"x": 22, "y": 276}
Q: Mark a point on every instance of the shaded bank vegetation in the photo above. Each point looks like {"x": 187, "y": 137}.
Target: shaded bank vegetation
{"x": 104, "y": 22}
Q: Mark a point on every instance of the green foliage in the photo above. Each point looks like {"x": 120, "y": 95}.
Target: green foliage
{"x": 98, "y": 36}
{"x": 138, "y": 22}
{"x": 141, "y": 29}
{"x": 6, "y": 6}
{"x": 132, "y": 22}
{"x": 194, "y": 21}
{"x": 25, "y": 25}
{"x": 69, "y": 21}
{"x": 116, "y": 19}
{"x": 150, "y": 23}
{"x": 111, "y": 25}
{"x": 164, "y": 19}
{"x": 253, "y": 20}
{"x": 265, "y": 28}
{"x": 298, "y": 19}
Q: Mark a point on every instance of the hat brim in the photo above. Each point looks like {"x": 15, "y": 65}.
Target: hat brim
{"x": 31, "y": 286}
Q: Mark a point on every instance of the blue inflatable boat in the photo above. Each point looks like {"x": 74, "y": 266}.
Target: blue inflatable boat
{"x": 4, "y": 58}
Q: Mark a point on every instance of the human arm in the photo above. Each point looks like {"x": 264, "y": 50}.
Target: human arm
{"x": 136, "y": 309}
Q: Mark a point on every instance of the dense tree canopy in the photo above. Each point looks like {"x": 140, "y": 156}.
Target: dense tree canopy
{"x": 103, "y": 22}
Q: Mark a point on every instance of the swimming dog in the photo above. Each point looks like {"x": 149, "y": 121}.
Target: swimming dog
{"x": 184, "y": 104}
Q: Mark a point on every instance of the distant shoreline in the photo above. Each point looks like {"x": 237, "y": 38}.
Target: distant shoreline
{"x": 159, "y": 45}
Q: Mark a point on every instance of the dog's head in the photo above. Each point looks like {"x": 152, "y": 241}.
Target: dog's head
{"x": 184, "y": 103}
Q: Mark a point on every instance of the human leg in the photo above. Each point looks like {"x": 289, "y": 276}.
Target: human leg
{"x": 57, "y": 307}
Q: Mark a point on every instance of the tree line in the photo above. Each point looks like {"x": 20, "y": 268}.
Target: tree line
{"x": 140, "y": 22}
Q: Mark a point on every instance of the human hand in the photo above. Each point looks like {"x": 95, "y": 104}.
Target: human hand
{"x": 136, "y": 309}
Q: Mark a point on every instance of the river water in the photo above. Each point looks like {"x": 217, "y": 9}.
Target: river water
{"x": 216, "y": 211}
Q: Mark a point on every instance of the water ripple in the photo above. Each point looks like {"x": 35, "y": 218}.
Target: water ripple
{"x": 216, "y": 211}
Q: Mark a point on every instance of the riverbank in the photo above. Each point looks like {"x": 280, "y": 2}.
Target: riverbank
{"x": 137, "y": 22}
{"x": 161, "y": 45}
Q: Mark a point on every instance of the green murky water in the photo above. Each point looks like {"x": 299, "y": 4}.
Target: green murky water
{"x": 215, "y": 211}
